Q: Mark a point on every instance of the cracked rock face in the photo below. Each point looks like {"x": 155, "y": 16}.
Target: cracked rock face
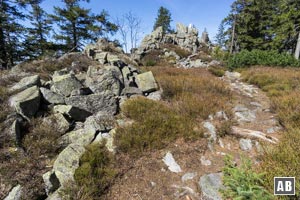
{"x": 65, "y": 84}
{"x": 104, "y": 101}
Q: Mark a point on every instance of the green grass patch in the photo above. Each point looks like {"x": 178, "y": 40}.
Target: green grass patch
{"x": 242, "y": 182}
{"x": 95, "y": 174}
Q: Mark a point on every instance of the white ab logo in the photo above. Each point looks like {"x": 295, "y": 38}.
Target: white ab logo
{"x": 287, "y": 188}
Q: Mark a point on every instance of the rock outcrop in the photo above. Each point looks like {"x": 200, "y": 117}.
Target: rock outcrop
{"x": 185, "y": 37}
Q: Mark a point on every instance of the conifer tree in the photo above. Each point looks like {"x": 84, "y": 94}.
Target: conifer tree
{"x": 77, "y": 25}
{"x": 163, "y": 19}
{"x": 11, "y": 32}
{"x": 36, "y": 43}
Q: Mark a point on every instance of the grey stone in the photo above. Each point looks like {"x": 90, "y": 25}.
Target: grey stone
{"x": 101, "y": 57}
{"x": 171, "y": 163}
{"x": 51, "y": 182}
{"x": 211, "y": 129}
{"x": 26, "y": 82}
{"x": 188, "y": 176}
{"x": 67, "y": 162}
{"x": 146, "y": 82}
{"x": 221, "y": 115}
{"x": 104, "y": 101}
{"x": 115, "y": 60}
{"x": 243, "y": 114}
{"x": 100, "y": 79}
{"x": 52, "y": 97}
{"x": 82, "y": 137}
{"x": 156, "y": 96}
{"x": 197, "y": 63}
{"x": 246, "y": 144}
{"x": 65, "y": 84}
{"x": 210, "y": 184}
{"x": 27, "y": 102}
{"x": 101, "y": 122}
{"x": 129, "y": 91}
{"x": 232, "y": 75}
{"x": 15, "y": 193}
{"x": 205, "y": 161}
{"x": 72, "y": 112}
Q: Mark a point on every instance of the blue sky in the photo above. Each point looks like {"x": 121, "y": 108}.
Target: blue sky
{"x": 202, "y": 13}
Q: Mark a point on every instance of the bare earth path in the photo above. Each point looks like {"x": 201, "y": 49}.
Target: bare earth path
{"x": 150, "y": 178}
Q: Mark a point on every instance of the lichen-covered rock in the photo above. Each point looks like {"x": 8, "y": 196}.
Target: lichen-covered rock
{"x": 100, "y": 122}
{"x": 26, "y": 82}
{"x": 27, "y": 102}
{"x": 210, "y": 184}
{"x": 65, "y": 84}
{"x": 72, "y": 112}
{"x": 52, "y": 97}
{"x": 81, "y": 136}
{"x": 104, "y": 101}
{"x": 146, "y": 82}
{"x": 15, "y": 193}
{"x": 100, "y": 79}
{"x": 67, "y": 162}
{"x": 246, "y": 144}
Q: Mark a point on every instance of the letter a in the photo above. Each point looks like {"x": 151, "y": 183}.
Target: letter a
{"x": 280, "y": 187}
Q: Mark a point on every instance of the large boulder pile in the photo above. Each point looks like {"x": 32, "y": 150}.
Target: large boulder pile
{"x": 183, "y": 48}
{"x": 83, "y": 104}
{"x": 185, "y": 37}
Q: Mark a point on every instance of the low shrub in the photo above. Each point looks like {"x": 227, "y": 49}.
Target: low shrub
{"x": 282, "y": 160}
{"x": 242, "y": 182}
{"x": 155, "y": 126}
{"x": 217, "y": 70}
{"x": 95, "y": 173}
{"x": 42, "y": 139}
{"x": 258, "y": 57}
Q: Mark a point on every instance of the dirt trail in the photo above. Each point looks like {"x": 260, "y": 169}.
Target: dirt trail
{"x": 150, "y": 178}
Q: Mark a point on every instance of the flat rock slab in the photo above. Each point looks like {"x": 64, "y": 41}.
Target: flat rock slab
{"x": 104, "y": 101}
{"x": 171, "y": 163}
{"x": 146, "y": 82}
{"x": 27, "y": 102}
{"x": 210, "y": 184}
{"x": 52, "y": 97}
{"x": 81, "y": 136}
{"x": 67, "y": 162}
{"x": 26, "y": 82}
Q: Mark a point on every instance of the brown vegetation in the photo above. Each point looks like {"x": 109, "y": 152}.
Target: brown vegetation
{"x": 283, "y": 87}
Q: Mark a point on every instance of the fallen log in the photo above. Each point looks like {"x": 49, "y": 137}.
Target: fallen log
{"x": 251, "y": 134}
